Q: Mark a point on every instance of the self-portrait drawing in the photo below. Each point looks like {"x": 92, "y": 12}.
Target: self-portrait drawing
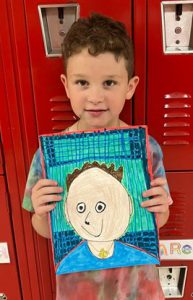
{"x": 100, "y": 224}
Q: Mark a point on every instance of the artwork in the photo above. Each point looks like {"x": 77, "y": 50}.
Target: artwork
{"x": 100, "y": 224}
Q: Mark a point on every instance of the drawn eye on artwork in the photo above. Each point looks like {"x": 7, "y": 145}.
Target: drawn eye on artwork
{"x": 81, "y": 207}
{"x": 98, "y": 206}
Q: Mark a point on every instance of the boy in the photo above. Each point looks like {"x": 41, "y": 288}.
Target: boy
{"x": 98, "y": 58}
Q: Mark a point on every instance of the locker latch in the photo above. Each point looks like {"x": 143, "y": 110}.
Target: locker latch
{"x": 177, "y": 26}
{"x": 3, "y": 296}
{"x": 55, "y": 22}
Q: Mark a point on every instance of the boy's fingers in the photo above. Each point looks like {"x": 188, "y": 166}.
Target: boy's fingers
{"x": 42, "y": 210}
{"x": 154, "y": 192}
{"x": 49, "y": 198}
{"x": 158, "y": 181}
{"x": 46, "y": 201}
{"x": 153, "y": 202}
{"x": 47, "y": 190}
{"x": 158, "y": 209}
{"x": 44, "y": 182}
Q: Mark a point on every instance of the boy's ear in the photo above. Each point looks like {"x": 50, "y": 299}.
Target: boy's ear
{"x": 132, "y": 84}
{"x": 65, "y": 84}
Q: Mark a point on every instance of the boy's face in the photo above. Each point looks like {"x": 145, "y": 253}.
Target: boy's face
{"x": 97, "y": 87}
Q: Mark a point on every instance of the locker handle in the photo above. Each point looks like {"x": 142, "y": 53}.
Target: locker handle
{"x": 177, "y": 95}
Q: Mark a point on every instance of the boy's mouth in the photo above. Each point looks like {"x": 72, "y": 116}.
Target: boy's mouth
{"x": 96, "y": 112}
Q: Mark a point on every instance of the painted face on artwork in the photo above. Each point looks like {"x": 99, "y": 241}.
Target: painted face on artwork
{"x": 98, "y": 207}
{"x": 97, "y": 87}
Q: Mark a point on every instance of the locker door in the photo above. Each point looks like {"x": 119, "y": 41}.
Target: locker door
{"x": 13, "y": 140}
{"x": 180, "y": 221}
{"x": 170, "y": 120}
{"x": 9, "y": 276}
{"x": 53, "y": 110}
{"x": 169, "y": 96}
{"x": 179, "y": 225}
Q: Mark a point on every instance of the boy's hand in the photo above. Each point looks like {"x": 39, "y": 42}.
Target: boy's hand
{"x": 159, "y": 202}
{"x": 44, "y": 195}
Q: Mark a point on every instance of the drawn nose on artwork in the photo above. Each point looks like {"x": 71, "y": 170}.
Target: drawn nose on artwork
{"x": 86, "y": 220}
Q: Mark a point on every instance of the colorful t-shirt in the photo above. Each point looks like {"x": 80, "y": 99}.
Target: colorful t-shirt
{"x": 128, "y": 283}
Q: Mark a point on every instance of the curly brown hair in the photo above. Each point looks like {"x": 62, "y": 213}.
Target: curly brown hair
{"x": 99, "y": 34}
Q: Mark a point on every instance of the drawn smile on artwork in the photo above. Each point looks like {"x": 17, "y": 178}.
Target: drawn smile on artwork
{"x": 88, "y": 230}
{"x": 98, "y": 206}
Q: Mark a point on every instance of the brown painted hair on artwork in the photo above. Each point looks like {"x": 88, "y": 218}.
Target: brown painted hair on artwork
{"x": 117, "y": 174}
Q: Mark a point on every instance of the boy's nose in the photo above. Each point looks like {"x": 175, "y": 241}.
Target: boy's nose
{"x": 96, "y": 96}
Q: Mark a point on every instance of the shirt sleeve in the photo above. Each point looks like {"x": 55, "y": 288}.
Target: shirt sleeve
{"x": 157, "y": 164}
{"x": 35, "y": 173}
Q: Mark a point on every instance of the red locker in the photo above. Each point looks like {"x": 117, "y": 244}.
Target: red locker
{"x": 170, "y": 117}
{"x": 169, "y": 94}
{"x": 12, "y": 135}
{"x": 179, "y": 226}
{"x": 8, "y": 270}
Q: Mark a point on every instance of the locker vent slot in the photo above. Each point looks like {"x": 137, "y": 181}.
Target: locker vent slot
{"x": 61, "y": 113}
{"x": 177, "y": 114}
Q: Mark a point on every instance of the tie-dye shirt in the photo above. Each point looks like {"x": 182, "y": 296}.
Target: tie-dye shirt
{"x": 128, "y": 283}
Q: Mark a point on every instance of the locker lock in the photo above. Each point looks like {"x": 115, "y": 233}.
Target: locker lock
{"x": 3, "y": 296}
{"x": 55, "y": 22}
{"x": 177, "y": 26}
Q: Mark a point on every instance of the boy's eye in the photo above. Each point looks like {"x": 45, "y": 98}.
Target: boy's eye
{"x": 109, "y": 83}
{"x": 82, "y": 82}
